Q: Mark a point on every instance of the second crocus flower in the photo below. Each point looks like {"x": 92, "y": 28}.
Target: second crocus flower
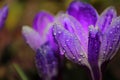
{"x": 41, "y": 41}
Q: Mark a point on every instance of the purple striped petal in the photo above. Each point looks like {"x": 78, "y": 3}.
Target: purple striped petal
{"x": 50, "y": 38}
{"x": 74, "y": 27}
{"x": 84, "y": 13}
{"x": 32, "y": 37}
{"x": 46, "y": 62}
{"x": 93, "y": 45}
{"x": 110, "y": 41}
{"x": 70, "y": 45}
{"x": 41, "y": 21}
{"x": 93, "y": 51}
{"x": 3, "y": 15}
{"x": 106, "y": 18}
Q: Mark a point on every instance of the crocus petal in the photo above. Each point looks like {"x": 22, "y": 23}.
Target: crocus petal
{"x": 93, "y": 51}
{"x": 41, "y": 21}
{"x": 106, "y": 18}
{"x": 110, "y": 41}
{"x": 84, "y": 13}
{"x": 74, "y": 27}
{"x": 32, "y": 37}
{"x": 46, "y": 62}
{"x": 70, "y": 44}
{"x": 3, "y": 15}
{"x": 50, "y": 38}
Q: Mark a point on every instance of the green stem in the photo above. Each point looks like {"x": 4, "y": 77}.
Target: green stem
{"x": 20, "y": 72}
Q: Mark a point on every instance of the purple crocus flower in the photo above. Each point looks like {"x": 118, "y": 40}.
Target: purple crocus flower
{"x": 41, "y": 41}
{"x": 3, "y": 15}
{"x": 88, "y": 38}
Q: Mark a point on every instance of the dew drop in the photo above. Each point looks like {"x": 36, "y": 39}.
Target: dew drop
{"x": 67, "y": 40}
{"x": 73, "y": 57}
{"x": 54, "y": 33}
{"x": 110, "y": 47}
{"x": 63, "y": 51}
{"x": 109, "y": 17}
{"x": 79, "y": 60}
{"x": 83, "y": 56}
{"x": 53, "y": 29}
{"x": 104, "y": 52}
{"x": 44, "y": 51}
{"x": 95, "y": 45}
{"x": 71, "y": 35}
{"x": 75, "y": 38}
{"x": 118, "y": 26}
{"x": 59, "y": 32}
{"x": 114, "y": 39}
{"x": 53, "y": 62}
{"x": 110, "y": 32}
{"x": 64, "y": 45}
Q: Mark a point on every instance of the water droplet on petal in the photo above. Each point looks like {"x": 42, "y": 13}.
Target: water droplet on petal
{"x": 118, "y": 26}
{"x": 110, "y": 47}
{"x": 54, "y": 33}
{"x": 73, "y": 57}
{"x": 63, "y": 51}
{"x": 104, "y": 52}
{"x": 44, "y": 51}
{"x": 67, "y": 40}
{"x": 79, "y": 60}
{"x": 64, "y": 45}
{"x": 59, "y": 32}
{"x": 110, "y": 32}
{"x": 83, "y": 56}
{"x": 76, "y": 38}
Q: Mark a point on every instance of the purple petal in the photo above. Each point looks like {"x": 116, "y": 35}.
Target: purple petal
{"x": 69, "y": 44}
{"x": 74, "y": 27}
{"x": 93, "y": 45}
{"x": 93, "y": 51}
{"x": 32, "y": 37}
{"x": 3, "y": 15}
{"x": 46, "y": 62}
{"x": 50, "y": 38}
{"x": 41, "y": 21}
{"x": 106, "y": 18}
{"x": 110, "y": 41}
{"x": 84, "y": 13}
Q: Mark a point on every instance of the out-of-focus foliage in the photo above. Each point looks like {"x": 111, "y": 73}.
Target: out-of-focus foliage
{"x": 15, "y": 14}
{"x": 20, "y": 72}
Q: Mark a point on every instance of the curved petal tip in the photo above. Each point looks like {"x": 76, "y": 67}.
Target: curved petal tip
{"x": 83, "y": 12}
{"x": 32, "y": 37}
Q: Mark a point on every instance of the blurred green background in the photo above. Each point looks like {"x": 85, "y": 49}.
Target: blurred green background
{"x": 17, "y": 58}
